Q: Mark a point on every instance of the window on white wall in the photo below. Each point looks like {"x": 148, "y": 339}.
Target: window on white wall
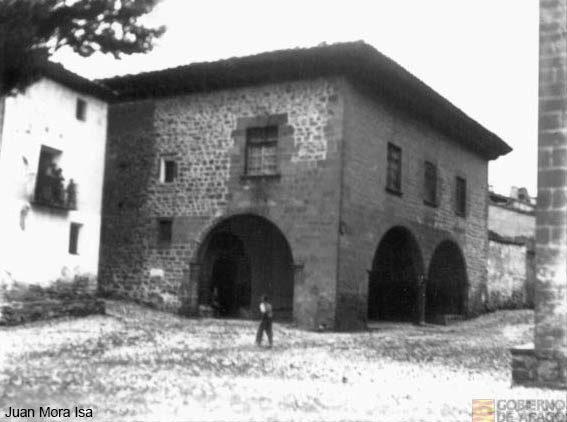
{"x": 81, "y": 109}
{"x": 74, "y": 233}
{"x": 49, "y": 187}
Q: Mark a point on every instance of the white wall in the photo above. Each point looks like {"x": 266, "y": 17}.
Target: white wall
{"x": 45, "y": 115}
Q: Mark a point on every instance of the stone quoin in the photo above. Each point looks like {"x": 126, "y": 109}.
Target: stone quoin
{"x": 544, "y": 363}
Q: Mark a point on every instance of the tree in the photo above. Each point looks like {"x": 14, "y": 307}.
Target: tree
{"x": 32, "y": 30}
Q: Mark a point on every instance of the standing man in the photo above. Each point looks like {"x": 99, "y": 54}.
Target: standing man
{"x": 266, "y": 322}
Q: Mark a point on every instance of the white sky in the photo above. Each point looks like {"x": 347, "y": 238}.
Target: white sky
{"x": 479, "y": 54}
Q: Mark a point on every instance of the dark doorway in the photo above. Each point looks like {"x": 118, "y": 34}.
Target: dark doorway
{"x": 229, "y": 283}
{"x": 393, "y": 280}
{"x": 446, "y": 282}
{"x": 244, "y": 257}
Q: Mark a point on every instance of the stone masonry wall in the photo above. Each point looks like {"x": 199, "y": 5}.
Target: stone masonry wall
{"x": 368, "y": 211}
{"x": 205, "y": 135}
{"x": 509, "y": 285}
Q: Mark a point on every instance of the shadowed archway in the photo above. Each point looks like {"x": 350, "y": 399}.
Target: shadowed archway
{"x": 393, "y": 280}
{"x": 446, "y": 282}
{"x": 244, "y": 257}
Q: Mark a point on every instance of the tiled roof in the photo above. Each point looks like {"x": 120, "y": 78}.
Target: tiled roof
{"x": 58, "y": 73}
{"x": 358, "y": 61}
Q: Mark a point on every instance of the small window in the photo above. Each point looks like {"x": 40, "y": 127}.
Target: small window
{"x": 461, "y": 196}
{"x": 394, "y": 175}
{"x": 430, "y": 184}
{"x": 74, "y": 238}
{"x": 261, "y": 151}
{"x": 81, "y": 110}
{"x": 165, "y": 231}
{"x": 168, "y": 170}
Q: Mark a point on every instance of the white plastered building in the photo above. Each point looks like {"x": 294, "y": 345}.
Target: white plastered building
{"x": 52, "y": 146}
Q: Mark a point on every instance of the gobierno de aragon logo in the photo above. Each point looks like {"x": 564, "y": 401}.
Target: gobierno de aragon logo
{"x": 510, "y": 410}
{"x": 483, "y": 410}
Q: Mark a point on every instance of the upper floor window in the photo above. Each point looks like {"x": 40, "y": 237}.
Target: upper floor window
{"x": 430, "y": 184}
{"x": 165, "y": 231}
{"x": 168, "y": 170}
{"x": 81, "y": 110}
{"x": 261, "y": 151}
{"x": 460, "y": 196}
{"x": 394, "y": 174}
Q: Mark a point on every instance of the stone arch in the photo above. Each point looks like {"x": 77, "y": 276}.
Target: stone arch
{"x": 447, "y": 283}
{"x": 394, "y": 279}
{"x": 242, "y": 257}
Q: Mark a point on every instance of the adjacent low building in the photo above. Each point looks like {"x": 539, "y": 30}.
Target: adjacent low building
{"x": 511, "y": 256}
{"x": 328, "y": 178}
{"x": 52, "y": 147}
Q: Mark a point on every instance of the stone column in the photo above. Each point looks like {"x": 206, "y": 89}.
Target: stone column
{"x": 546, "y": 362}
{"x": 189, "y": 291}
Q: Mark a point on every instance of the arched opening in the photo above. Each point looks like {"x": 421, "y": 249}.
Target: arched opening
{"x": 229, "y": 282}
{"x": 446, "y": 283}
{"x": 393, "y": 280}
{"x": 244, "y": 257}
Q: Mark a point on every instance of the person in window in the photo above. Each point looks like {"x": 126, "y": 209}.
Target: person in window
{"x": 266, "y": 322}
{"x": 58, "y": 186}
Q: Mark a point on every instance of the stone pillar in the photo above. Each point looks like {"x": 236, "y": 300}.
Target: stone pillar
{"x": 546, "y": 362}
{"x": 189, "y": 292}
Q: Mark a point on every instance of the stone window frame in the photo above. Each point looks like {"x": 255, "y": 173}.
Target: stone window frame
{"x": 394, "y": 169}
{"x": 461, "y": 196}
{"x": 262, "y": 141}
{"x": 240, "y": 134}
{"x": 164, "y": 232}
{"x": 430, "y": 184}
{"x": 162, "y": 168}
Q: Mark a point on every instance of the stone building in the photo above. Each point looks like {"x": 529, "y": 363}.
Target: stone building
{"x": 329, "y": 178}
{"x": 52, "y": 148}
{"x": 511, "y": 250}
{"x": 512, "y": 216}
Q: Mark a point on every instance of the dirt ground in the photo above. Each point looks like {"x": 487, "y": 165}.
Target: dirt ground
{"x": 138, "y": 364}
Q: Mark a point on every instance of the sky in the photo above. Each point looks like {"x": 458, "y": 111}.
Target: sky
{"x": 482, "y": 55}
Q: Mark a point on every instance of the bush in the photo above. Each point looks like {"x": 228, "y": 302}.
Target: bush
{"x": 79, "y": 287}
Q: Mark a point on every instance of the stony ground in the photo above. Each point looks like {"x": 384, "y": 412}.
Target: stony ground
{"x": 137, "y": 364}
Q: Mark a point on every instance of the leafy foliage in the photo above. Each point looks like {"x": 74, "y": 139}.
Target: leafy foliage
{"x": 31, "y": 30}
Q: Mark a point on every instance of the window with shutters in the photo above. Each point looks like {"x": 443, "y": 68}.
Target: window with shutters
{"x": 261, "y": 151}
{"x": 394, "y": 169}
{"x": 461, "y": 196}
{"x": 430, "y": 184}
